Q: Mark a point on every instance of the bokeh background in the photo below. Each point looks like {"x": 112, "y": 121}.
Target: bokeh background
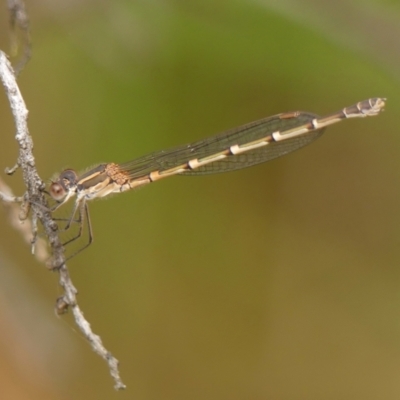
{"x": 280, "y": 281}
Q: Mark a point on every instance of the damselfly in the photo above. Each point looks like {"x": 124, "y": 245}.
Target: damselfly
{"x": 250, "y": 144}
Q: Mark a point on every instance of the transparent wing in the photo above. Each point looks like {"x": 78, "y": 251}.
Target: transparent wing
{"x": 167, "y": 159}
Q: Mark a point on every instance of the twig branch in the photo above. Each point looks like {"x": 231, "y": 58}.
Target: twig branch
{"x": 35, "y": 199}
{"x": 21, "y": 224}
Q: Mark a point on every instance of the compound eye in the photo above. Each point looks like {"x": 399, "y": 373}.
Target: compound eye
{"x": 57, "y": 192}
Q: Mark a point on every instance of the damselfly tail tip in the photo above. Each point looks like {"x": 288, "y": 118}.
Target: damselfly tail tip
{"x": 376, "y": 105}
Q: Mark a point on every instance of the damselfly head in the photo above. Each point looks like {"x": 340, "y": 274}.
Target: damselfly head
{"x": 66, "y": 181}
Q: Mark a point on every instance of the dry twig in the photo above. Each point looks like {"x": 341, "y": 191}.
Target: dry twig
{"x": 35, "y": 199}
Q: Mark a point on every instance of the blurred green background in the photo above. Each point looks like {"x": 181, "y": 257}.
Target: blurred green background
{"x": 280, "y": 281}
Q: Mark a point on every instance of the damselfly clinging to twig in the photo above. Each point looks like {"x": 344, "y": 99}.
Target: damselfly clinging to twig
{"x": 250, "y": 144}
